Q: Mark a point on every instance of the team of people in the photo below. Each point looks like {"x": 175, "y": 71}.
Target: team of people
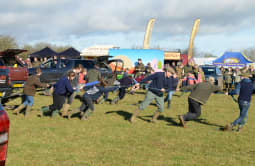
{"x": 174, "y": 77}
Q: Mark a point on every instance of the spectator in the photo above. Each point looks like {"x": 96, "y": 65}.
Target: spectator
{"x": 82, "y": 79}
{"x": 126, "y": 72}
{"x": 94, "y": 74}
{"x": 36, "y": 63}
{"x": 180, "y": 74}
{"x": 139, "y": 68}
{"x": 237, "y": 79}
{"x": 148, "y": 70}
{"x": 173, "y": 65}
{"x": 188, "y": 69}
{"x": 201, "y": 75}
{"x": 45, "y": 59}
{"x": 228, "y": 79}
{"x": 195, "y": 70}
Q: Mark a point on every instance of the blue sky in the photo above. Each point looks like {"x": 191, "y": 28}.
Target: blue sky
{"x": 225, "y": 24}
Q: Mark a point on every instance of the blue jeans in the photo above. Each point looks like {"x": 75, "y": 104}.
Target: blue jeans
{"x": 170, "y": 94}
{"x": 29, "y": 100}
{"x": 106, "y": 90}
{"x": 236, "y": 91}
{"x": 244, "y": 107}
{"x": 237, "y": 88}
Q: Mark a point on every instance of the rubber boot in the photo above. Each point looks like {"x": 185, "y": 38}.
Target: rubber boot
{"x": 168, "y": 104}
{"x": 27, "y": 112}
{"x": 135, "y": 114}
{"x": 100, "y": 100}
{"x": 182, "y": 121}
{"x": 55, "y": 114}
{"x": 166, "y": 98}
{"x": 44, "y": 110}
{"x": 85, "y": 115}
{"x": 18, "y": 109}
{"x": 115, "y": 100}
{"x": 155, "y": 117}
{"x": 65, "y": 110}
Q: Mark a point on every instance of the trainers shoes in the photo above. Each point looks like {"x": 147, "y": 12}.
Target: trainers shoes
{"x": 239, "y": 129}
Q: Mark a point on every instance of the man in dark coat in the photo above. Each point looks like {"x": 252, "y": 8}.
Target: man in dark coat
{"x": 200, "y": 93}
{"x": 174, "y": 82}
{"x": 160, "y": 83}
{"x": 244, "y": 100}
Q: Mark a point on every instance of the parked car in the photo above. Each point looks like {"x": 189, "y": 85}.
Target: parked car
{"x": 13, "y": 73}
{"x": 54, "y": 69}
{"x": 4, "y": 134}
{"x": 213, "y": 71}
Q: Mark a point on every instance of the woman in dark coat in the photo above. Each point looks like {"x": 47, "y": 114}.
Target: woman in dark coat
{"x": 62, "y": 89}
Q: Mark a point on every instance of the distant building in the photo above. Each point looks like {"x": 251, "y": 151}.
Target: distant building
{"x": 204, "y": 61}
{"x": 97, "y": 51}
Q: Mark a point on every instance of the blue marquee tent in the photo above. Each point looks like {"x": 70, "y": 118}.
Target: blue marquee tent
{"x": 46, "y": 52}
{"x": 70, "y": 53}
{"x": 233, "y": 59}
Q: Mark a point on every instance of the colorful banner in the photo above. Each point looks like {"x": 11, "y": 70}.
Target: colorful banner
{"x": 131, "y": 56}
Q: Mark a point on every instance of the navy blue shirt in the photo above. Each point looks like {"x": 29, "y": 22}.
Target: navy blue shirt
{"x": 63, "y": 86}
{"x": 174, "y": 83}
{"x": 159, "y": 81}
{"x": 245, "y": 90}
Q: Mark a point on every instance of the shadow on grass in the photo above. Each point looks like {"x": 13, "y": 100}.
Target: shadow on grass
{"x": 161, "y": 117}
{"x": 140, "y": 93}
{"x": 124, "y": 114}
{"x": 137, "y": 103}
{"x": 203, "y": 121}
{"x": 76, "y": 115}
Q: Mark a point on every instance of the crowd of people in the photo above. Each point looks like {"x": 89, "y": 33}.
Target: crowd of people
{"x": 174, "y": 77}
{"x": 36, "y": 62}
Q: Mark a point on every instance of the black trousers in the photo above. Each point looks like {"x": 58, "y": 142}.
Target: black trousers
{"x": 58, "y": 102}
{"x": 87, "y": 102}
{"x": 194, "y": 110}
{"x": 106, "y": 90}
{"x": 70, "y": 98}
{"x": 122, "y": 92}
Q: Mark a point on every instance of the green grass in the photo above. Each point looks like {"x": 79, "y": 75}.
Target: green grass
{"x": 108, "y": 139}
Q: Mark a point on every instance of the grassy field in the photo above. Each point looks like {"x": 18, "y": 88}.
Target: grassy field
{"x": 108, "y": 139}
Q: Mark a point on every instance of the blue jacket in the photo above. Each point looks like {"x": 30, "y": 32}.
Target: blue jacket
{"x": 63, "y": 86}
{"x": 159, "y": 81}
{"x": 245, "y": 90}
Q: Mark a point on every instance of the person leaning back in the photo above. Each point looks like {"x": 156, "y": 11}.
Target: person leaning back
{"x": 160, "y": 83}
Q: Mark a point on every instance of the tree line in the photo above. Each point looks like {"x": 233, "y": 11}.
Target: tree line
{"x": 7, "y": 42}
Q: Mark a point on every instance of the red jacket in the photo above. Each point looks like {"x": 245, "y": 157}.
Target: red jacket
{"x": 81, "y": 79}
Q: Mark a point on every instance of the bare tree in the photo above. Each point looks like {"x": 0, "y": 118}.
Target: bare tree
{"x": 7, "y": 42}
{"x": 250, "y": 53}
